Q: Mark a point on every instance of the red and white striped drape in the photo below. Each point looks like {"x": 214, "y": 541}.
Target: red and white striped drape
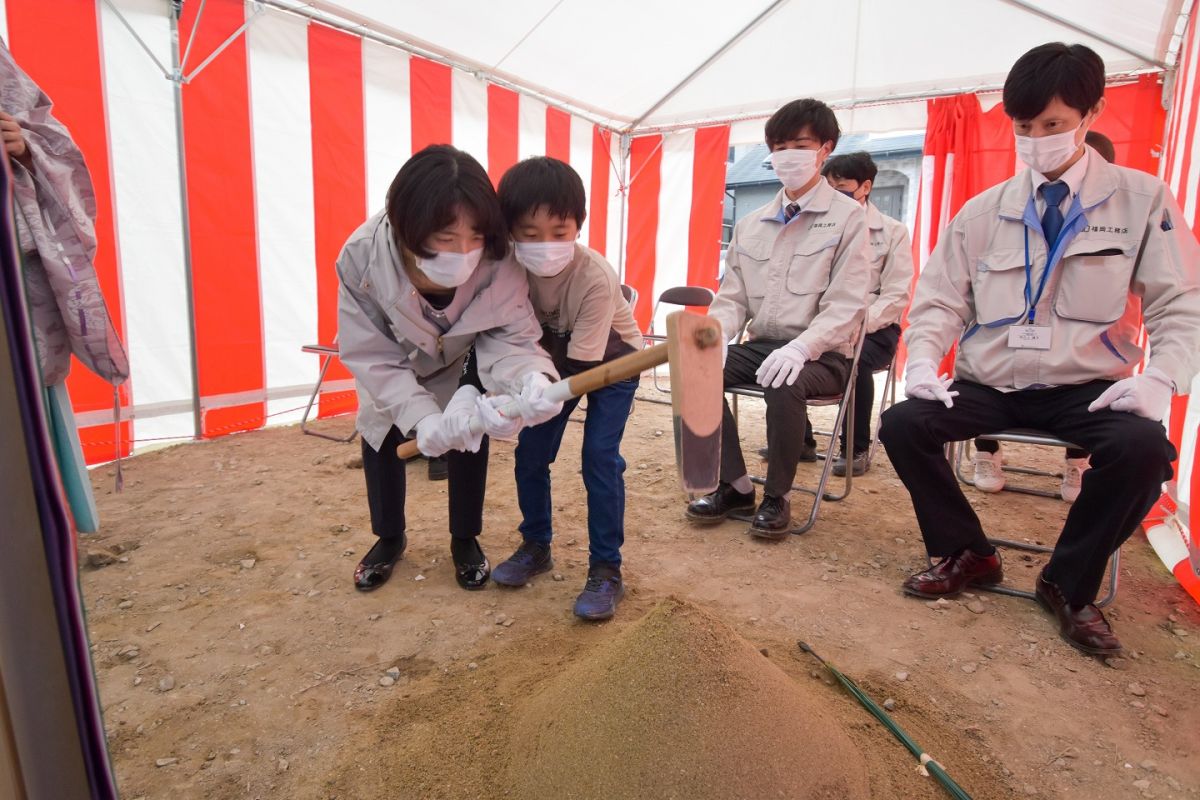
{"x": 291, "y": 136}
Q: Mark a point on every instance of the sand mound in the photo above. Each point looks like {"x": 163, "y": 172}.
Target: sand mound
{"x": 679, "y": 706}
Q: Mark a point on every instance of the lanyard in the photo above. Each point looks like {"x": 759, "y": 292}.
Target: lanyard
{"x": 1031, "y": 300}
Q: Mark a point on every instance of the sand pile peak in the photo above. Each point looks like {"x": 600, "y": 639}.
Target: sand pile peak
{"x": 678, "y": 705}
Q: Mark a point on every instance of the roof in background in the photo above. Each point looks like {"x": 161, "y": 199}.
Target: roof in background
{"x": 753, "y": 167}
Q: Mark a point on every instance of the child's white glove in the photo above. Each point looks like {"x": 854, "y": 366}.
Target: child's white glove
{"x": 922, "y": 382}
{"x": 1147, "y": 395}
{"x": 535, "y": 408}
{"x": 495, "y": 424}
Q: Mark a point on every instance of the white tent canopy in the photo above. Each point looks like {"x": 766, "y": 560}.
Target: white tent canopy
{"x": 650, "y": 65}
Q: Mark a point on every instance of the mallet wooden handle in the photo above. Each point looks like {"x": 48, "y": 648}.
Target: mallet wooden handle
{"x": 606, "y": 374}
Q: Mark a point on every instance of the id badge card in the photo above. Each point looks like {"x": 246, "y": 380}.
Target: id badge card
{"x": 1029, "y": 337}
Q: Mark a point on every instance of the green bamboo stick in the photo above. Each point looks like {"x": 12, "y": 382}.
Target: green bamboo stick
{"x": 927, "y": 763}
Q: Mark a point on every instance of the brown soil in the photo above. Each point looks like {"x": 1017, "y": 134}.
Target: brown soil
{"x": 227, "y": 566}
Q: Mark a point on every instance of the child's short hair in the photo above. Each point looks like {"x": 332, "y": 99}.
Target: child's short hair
{"x": 851, "y": 167}
{"x": 1072, "y": 73}
{"x": 793, "y": 117}
{"x": 542, "y": 181}
{"x": 430, "y": 189}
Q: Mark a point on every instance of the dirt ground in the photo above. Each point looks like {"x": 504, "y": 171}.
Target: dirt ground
{"x": 236, "y": 660}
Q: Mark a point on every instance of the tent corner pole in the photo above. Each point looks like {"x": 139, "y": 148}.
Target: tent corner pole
{"x": 623, "y": 150}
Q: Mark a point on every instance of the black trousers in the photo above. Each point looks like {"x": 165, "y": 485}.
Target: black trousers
{"x": 879, "y": 348}
{"x": 786, "y": 411}
{"x": 1131, "y": 457}
{"x": 467, "y": 479}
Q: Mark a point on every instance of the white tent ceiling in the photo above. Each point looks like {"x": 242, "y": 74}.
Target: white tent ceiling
{"x": 653, "y": 64}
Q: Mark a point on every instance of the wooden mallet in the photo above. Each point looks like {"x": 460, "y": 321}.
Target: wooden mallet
{"x": 693, "y": 351}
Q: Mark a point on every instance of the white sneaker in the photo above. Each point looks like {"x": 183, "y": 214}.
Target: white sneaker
{"x": 988, "y": 475}
{"x": 1073, "y": 471}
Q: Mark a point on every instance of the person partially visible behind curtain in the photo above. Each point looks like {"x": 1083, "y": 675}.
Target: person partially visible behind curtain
{"x": 55, "y": 211}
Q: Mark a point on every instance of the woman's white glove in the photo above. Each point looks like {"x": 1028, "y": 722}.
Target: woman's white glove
{"x": 922, "y": 382}
{"x": 457, "y": 419}
{"x": 431, "y": 438}
{"x": 1147, "y": 395}
{"x": 534, "y": 407}
{"x": 495, "y": 423}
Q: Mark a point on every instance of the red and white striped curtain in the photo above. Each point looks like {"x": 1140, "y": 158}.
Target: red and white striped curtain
{"x": 1174, "y": 525}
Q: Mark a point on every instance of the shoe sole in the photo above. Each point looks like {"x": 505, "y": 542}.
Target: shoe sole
{"x": 603, "y": 615}
{"x": 1083, "y": 648}
{"x": 536, "y": 572}
{"x": 771, "y": 535}
{"x": 991, "y": 579}
{"x": 704, "y": 519}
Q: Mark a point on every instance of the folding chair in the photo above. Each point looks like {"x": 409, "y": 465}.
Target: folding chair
{"x": 887, "y": 398}
{"x": 845, "y": 405}
{"x": 327, "y": 352}
{"x": 675, "y": 296}
{"x": 630, "y": 294}
{"x": 1030, "y": 436}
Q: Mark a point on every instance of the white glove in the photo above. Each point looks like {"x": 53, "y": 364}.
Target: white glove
{"x": 431, "y": 438}
{"x": 495, "y": 424}
{"x": 1147, "y": 395}
{"x": 922, "y": 382}
{"x": 457, "y": 418}
{"x": 783, "y": 365}
{"x": 534, "y": 407}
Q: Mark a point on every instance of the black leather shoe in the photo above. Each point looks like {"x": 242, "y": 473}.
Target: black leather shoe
{"x": 471, "y": 568}
{"x": 438, "y": 471}
{"x": 950, "y": 576}
{"x": 376, "y": 566}
{"x": 716, "y": 506}
{"x": 808, "y": 452}
{"x": 774, "y": 518}
{"x": 1082, "y": 627}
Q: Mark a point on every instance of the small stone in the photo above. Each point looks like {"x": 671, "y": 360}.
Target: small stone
{"x": 991, "y": 652}
{"x": 901, "y": 676}
{"x": 1162, "y": 712}
{"x": 889, "y": 704}
{"x": 266, "y": 650}
{"x": 129, "y": 652}
{"x": 499, "y": 618}
{"x": 508, "y": 623}
{"x": 165, "y": 762}
{"x": 419, "y": 578}
{"x": 339, "y": 528}
{"x": 472, "y": 666}
{"x": 387, "y": 680}
{"x": 1116, "y": 663}
{"x": 125, "y": 604}
{"x": 658, "y": 433}
{"x": 969, "y": 668}
{"x": 764, "y": 651}
{"x": 1136, "y": 689}
{"x": 152, "y": 626}
{"x": 1180, "y": 655}
{"x": 1141, "y": 785}
{"x": 166, "y": 684}
{"x": 349, "y": 551}
{"x": 1148, "y": 765}
{"x": 100, "y": 558}
{"x": 976, "y": 607}
{"x": 314, "y": 593}
{"x": 319, "y": 460}
{"x": 1138, "y": 704}
{"x": 354, "y": 462}
{"x": 373, "y": 618}
{"x": 558, "y": 576}
{"x": 248, "y": 563}
{"x": 437, "y": 623}
{"x": 137, "y": 680}
{"x": 393, "y": 673}
{"x": 281, "y": 765}
{"x": 1025, "y": 637}
{"x": 571, "y": 542}
{"x": 1180, "y": 632}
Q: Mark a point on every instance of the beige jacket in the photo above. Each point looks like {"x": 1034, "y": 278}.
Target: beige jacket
{"x": 891, "y": 269}
{"x": 807, "y": 279}
{"x": 1128, "y": 256}
{"x": 406, "y": 369}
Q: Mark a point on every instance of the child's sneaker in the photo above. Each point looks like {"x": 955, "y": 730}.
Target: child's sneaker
{"x": 600, "y": 594}
{"x": 1073, "y": 477}
{"x": 988, "y": 475}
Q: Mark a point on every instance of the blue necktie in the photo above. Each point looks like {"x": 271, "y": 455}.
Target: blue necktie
{"x": 1052, "y": 217}
{"x": 791, "y": 210}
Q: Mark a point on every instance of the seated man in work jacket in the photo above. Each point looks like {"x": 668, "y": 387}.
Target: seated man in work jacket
{"x": 797, "y": 270}
{"x": 1043, "y": 280}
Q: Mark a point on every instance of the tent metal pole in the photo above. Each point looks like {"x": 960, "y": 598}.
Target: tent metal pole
{"x": 141, "y": 42}
{"x": 185, "y": 223}
{"x": 708, "y": 62}
{"x": 1025, "y": 5}
{"x": 623, "y": 150}
{"x": 258, "y": 9}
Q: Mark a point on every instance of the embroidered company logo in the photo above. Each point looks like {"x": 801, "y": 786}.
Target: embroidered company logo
{"x": 1104, "y": 229}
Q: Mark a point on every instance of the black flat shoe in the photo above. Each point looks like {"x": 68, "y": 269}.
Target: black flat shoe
{"x": 471, "y": 567}
{"x": 376, "y": 566}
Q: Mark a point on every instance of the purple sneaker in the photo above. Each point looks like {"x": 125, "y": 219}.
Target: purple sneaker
{"x": 601, "y": 593}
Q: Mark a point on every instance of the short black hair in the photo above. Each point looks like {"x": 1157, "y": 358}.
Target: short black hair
{"x": 1072, "y": 73}
{"x": 797, "y": 115}
{"x": 1102, "y": 145}
{"x": 429, "y": 191}
{"x": 851, "y": 167}
{"x": 542, "y": 181}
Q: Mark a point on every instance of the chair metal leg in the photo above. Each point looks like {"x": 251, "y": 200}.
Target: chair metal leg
{"x": 325, "y": 361}
{"x": 885, "y": 402}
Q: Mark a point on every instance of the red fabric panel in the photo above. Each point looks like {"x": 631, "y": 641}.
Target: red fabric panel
{"x": 339, "y": 177}
{"x": 220, "y": 192}
{"x": 598, "y": 202}
{"x": 61, "y": 52}
{"x": 558, "y": 134}
{"x": 502, "y": 130}
{"x": 1134, "y": 119}
{"x": 429, "y": 95}
{"x": 646, "y": 182}
{"x": 709, "y": 159}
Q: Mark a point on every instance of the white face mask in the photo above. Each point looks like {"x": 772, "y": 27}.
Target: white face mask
{"x": 544, "y": 259}
{"x": 450, "y": 269}
{"x": 1047, "y": 153}
{"x": 794, "y": 168}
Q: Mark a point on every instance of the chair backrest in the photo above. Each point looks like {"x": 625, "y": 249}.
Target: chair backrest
{"x": 687, "y": 296}
{"x": 630, "y": 294}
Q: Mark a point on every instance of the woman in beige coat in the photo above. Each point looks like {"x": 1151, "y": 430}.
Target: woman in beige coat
{"x": 432, "y": 313}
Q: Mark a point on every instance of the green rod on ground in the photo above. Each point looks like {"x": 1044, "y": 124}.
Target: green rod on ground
{"x": 933, "y": 767}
